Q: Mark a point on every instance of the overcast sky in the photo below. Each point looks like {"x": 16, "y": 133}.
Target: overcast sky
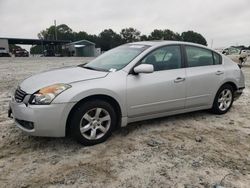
{"x": 226, "y": 22}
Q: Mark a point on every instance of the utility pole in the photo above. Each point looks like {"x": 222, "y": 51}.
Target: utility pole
{"x": 55, "y": 36}
{"x": 55, "y": 30}
{"x": 212, "y": 42}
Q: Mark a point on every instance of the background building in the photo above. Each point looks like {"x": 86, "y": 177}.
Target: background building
{"x": 4, "y": 44}
{"x": 82, "y": 48}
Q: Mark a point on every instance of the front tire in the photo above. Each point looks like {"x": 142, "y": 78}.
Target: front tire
{"x": 223, "y": 100}
{"x": 93, "y": 122}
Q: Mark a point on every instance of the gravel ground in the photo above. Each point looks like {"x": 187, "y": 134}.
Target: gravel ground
{"x": 190, "y": 150}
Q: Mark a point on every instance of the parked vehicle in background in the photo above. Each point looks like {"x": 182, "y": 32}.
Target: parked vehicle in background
{"x": 21, "y": 53}
{"x": 236, "y": 54}
{"x": 3, "y": 52}
{"x": 130, "y": 83}
{"x": 17, "y": 51}
{"x": 247, "y": 52}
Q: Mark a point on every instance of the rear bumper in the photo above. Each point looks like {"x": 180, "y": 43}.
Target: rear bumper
{"x": 41, "y": 120}
{"x": 238, "y": 93}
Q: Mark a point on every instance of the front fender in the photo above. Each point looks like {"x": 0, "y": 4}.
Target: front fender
{"x": 113, "y": 88}
{"x": 101, "y": 91}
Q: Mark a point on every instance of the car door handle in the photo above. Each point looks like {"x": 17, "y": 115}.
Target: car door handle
{"x": 179, "y": 79}
{"x": 219, "y": 72}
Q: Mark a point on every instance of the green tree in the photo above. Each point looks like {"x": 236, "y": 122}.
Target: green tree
{"x": 37, "y": 49}
{"x": 108, "y": 39}
{"x": 82, "y": 35}
{"x": 63, "y": 31}
{"x": 130, "y": 35}
{"x": 94, "y": 39}
{"x": 166, "y": 34}
{"x": 191, "y": 36}
{"x": 144, "y": 38}
{"x": 156, "y": 35}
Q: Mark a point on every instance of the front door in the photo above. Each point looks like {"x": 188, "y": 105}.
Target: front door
{"x": 160, "y": 91}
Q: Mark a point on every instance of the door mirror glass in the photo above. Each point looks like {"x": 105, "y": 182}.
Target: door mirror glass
{"x": 144, "y": 68}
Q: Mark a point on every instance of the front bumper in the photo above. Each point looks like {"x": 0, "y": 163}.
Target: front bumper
{"x": 41, "y": 120}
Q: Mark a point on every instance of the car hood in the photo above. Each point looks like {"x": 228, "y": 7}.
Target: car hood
{"x": 63, "y": 75}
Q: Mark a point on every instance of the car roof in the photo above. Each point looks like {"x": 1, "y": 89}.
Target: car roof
{"x": 166, "y": 42}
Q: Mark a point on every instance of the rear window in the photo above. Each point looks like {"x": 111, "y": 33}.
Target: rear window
{"x": 2, "y": 48}
{"x": 199, "y": 56}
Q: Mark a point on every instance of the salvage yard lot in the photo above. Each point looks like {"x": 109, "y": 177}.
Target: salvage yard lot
{"x": 190, "y": 150}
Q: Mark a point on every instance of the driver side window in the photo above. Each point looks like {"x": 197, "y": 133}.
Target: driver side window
{"x": 165, "y": 58}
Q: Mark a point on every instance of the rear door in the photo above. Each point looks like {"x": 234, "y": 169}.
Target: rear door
{"x": 204, "y": 76}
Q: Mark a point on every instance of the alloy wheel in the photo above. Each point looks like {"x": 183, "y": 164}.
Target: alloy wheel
{"x": 225, "y": 99}
{"x": 95, "y": 123}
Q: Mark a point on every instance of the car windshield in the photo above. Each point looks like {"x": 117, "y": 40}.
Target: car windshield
{"x": 116, "y": 58}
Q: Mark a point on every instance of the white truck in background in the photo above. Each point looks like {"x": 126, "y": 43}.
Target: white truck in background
{"x": 3, "y": 52}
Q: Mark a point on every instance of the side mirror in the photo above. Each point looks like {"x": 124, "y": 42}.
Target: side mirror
{"x": 144, "y": 68}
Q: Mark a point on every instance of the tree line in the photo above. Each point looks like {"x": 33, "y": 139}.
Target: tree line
{"x": 109, "y": 39}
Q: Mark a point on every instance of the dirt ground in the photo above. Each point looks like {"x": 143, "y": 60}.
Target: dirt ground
{"x": 190, "y": 150}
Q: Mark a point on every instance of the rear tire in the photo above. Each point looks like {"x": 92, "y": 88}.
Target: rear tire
{"x": 223, "y": 100}
{"x": 93, "y": 122}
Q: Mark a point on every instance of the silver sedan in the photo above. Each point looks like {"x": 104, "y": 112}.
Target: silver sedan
{"x": 133, "y": 82}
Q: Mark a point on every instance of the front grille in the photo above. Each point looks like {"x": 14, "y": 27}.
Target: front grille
{"x": 19, "y": 95}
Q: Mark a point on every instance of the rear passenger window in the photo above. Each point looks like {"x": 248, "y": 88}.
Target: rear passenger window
{"x": 217, "y": 59}
{"x": 198, "y": 56}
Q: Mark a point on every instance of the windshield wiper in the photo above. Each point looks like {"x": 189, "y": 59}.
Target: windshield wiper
{"x": 90, "y": 68}
{"x": 94, "y": 68}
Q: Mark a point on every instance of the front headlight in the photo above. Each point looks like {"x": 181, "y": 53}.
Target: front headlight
{"x": 48, "y": 94}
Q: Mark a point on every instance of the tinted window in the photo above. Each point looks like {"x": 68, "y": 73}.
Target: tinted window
{"x": 165, "y": 58}
{"x": 198, "y": 56}
{"x": 217, "y": 59}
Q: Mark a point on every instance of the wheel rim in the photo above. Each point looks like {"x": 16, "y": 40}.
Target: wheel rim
{"x": 225, "y": 99}
{"x": 95, "y": 123}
